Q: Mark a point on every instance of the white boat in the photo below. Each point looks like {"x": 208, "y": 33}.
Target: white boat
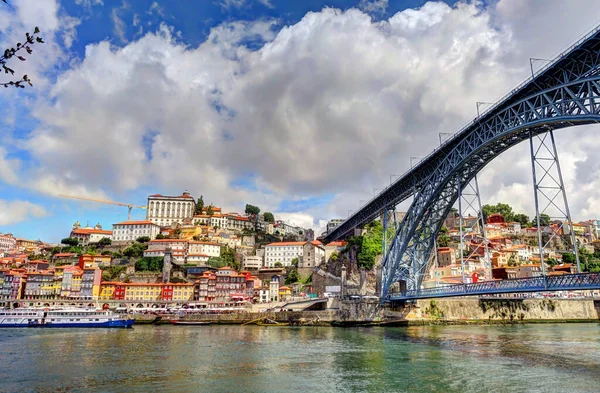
{"x": 62, "y": 318}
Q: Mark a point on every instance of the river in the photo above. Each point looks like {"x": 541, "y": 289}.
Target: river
{"x": 519, "y": 358}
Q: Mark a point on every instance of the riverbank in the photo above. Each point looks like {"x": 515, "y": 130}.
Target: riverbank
{"x": 450, "y": 311}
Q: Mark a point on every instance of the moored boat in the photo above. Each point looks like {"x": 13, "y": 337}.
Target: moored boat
{"x": 188, "y": 323}
{"x": 62, "y": 318}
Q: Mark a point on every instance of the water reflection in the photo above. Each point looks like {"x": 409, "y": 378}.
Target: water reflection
{"x": 544, "y": 358}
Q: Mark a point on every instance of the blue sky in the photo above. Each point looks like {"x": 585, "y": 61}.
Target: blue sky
{"x": 299, "y": 107}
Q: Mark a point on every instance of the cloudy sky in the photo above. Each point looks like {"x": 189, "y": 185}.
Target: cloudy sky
{"x": 302, "y": 108}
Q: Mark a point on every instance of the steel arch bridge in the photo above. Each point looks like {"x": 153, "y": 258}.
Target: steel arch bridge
{"x": 563, "y": 94}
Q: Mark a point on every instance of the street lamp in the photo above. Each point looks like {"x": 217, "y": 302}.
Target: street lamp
{"x": 392, "y": 176}
{"x": 412, "y": 159}
{"x": 479, "y": 103}
{"x": 441, "y": 134}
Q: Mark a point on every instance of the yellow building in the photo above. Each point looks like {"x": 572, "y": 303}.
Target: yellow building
{"x": 148, "y": 292}
{"x": 183, "y": 292}
{"x": 189, "y": 231}
{"x": 107, "y": 291}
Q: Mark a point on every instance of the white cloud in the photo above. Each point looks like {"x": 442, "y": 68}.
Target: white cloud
{"x": 88, "y": 4}
{"x": 118, "y": 22}
{"x": 266, "y": 3}
{"x": 373, "y": 6}
{"x": 12, "y": 212}
{"x": 227, "y": 4}
{"x": 333, "y": 104}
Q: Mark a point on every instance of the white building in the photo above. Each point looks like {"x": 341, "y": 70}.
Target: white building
{"x": 89, "y": 235}
{"x": 204, "y": 248}
{"x": 131, "y": 230}
{"x": 197, "y": 259}
{"x": 165, "y": 210}
{"x": 332, "y": 224}
{"x": 282, "y": 252}
{"x": 252, "y": 262}
{"x": 7, "y": 242}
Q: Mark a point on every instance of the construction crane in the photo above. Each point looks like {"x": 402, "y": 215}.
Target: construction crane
{"x": 129, "y": 205}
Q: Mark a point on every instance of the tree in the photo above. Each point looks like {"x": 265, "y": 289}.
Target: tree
{"x": 370, "y": 245}
{"x": 229, "y": 257}
{"x": 522, "y": 219}
{"x": 292, "y": 277}
{"x": 196, "y": 238}
{"x": 269, "y": 217}
{"x": 278, "y": 264}
{"x": 252, "y": 210}
{"x": 177, "y": 233}
{"x": 143, "y": 239}
{"x": 107, "y": 253}
{"x": 567, "y": 257}
{"x": 104, "y": 242}
{"x": 443, "y": 240}
{"x": 135, "y": 250}
{"x": 160, "y": 236}
{"x": 500, "y": 208}
{"x": 216, "y": 262}
{"x": 209, "y": 210}
{"x": 295, "y": 262}
{"x": 151, "y": 264}
{"x": 199, "y": 205}
{"x": 70, "y": 241}
{"x": 17, "y": 51}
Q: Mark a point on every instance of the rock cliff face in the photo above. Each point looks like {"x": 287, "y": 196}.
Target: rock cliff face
{"x": 347, "y": 258}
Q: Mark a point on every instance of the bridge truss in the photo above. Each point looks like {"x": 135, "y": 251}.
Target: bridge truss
{"x": 563, "y": 94}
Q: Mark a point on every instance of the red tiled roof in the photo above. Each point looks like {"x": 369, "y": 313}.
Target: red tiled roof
{"x": 142, "y": 222}
{"x": 285, "y": 244}
{"x": 90, "y": 231}
{"x": 65, "y": 254}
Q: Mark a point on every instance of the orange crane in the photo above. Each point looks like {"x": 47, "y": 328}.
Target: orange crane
{"x": 129, "y": 205}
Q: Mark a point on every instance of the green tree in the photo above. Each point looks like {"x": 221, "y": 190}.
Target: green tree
{"x": 295, "y": 263}
{"x": 292, "y": 277}
{"x": 522, "y": 219}
{"x": 216, "y": 262}
{"x": 135, "y": 250}
{"x": 277, "y": 264}
{"x": 269, "y": 217}
{"x": 443, "y": 241}
{"x": 143, "y": 239}
{"x": 70, "y": 241}
{"x": 370, "y": 245}
{"x": 151, "y": 264}
{"x": 199, "y": 205}
{"x": 160, "y": 236}
{"x": 499, "y": 208}
{"x": 229, "y": 257}
{"x": 568, "y": 257}
{"x": 252, "y": 210}
{"x": 196, "y": 238}
{"x": 209, "y": 210}
{"x": 104, "y": 242}
{"x": 177, "y": 233}
{"x": 107, "y": 253}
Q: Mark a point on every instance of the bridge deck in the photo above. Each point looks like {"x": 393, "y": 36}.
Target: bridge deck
{"x": 567, "y": 282}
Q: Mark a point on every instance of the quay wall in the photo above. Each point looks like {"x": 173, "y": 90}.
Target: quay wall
{"x": 504, "y": 310}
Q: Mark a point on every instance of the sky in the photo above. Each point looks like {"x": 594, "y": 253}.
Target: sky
{"x": 304, "y": 108}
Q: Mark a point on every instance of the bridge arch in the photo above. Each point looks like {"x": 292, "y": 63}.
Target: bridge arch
{"x": 570, "y": 104}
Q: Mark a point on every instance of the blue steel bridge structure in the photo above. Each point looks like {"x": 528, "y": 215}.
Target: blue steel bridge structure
{"x": 563, "y": 93}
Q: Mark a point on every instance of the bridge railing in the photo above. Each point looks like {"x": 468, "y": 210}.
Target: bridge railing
{"x": 581, "y": 281}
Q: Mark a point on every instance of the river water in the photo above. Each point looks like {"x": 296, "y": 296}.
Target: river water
{"x": 520, "y": 358}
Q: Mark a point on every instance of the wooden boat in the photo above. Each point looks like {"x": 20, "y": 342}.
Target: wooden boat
{"x": 273, "y": 324}
{"x": 188, "y": 323}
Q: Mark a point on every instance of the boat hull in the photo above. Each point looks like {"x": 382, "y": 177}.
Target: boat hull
{"x": 124, "y": 324}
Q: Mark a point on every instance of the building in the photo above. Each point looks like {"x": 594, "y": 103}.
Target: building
{"x": 205, "y": 248}
{"x": 274, "y": 288}
{"x": 39, "y": 285}
{"x": 446, "y": 256}
{"x": 230, "y": 285}
{"x": 333, "y": 223}
{"x": 128, "y": 231}
{"x": 12, "y": 286}
{"x": 71, "y": 282}
{"x": 205, "y": 288}
{"x": 89, "y": 235}
{"x": 252, "y": 262}
{"x": 7, "y": 242}
{"x": 313, "y": 254}
{"x": 90, "y": 283}
{"x": 282, "y": 252}
{"x": 88, "y": 261}
{"x": 158, "y": 247}
{"x": 166, "y": 210}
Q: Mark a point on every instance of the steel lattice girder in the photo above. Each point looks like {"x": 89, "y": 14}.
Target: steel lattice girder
{"x": 563, "y": 106}
{"x": 567, "y": 282}
{"x": 579, "y": 62}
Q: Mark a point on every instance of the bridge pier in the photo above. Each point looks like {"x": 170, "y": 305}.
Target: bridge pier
{"x": 548, "y": 185}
